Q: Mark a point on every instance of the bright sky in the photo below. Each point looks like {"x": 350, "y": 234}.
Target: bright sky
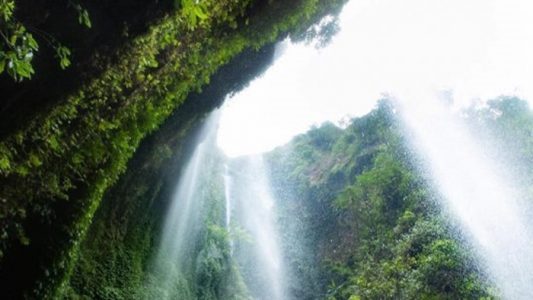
{"x": 478, "y": 49}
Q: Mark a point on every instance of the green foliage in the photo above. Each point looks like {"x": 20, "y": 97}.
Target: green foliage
{"x": 6, "y": 9}
{"x": 194, "y": 13}
{"x": 63, "y": 54}
{"x": 370, "y": 218}
{"x": 83, "y": 16}
{"x": 18, "y": 45}
{"x": 60, "y": 164}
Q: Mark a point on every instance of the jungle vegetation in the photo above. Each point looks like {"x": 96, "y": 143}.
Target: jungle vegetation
{"x": 372, "y": 219}
{"x": 101, "y": 103}
{"x": 67, "y": 135}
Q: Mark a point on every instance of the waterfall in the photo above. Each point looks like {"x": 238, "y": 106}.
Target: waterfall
{"x": 227, "y": 195}
{"x": 228, "y": 208}
{"x": 213, "y": 195}
{"x": 259, "y": 255}
{"x": 476, "y": 192}
{"x": 174, "y": 261}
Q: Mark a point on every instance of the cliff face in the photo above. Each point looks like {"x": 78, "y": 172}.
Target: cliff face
{"x": 127, "y": 225}
{"x": 67, "y": 138}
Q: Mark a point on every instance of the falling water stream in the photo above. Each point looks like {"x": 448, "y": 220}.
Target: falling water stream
{"x": 228, "y": 206}
{"x": 248, "y": 202}
{"x": 184, "y": 219}
{"x": 475, "y": 191}
{"x": 260, "y": 258}
{"x": 227, "y": 196}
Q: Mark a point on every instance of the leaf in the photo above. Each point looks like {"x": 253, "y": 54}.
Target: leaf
{"x": 63, "y": 53}
{"x": 32, "y": 43}
{"x": 4, "y": 163}
{"x": 34, "y": 160}
{"x": 6, "y": 9}
{"x": 54, "y": 144}
{"x": 198, "y": 11}
{"x": 22, "y": 170}
{"x": 23, "y": 68}
{"x": 83, "y": 18}
{"x": 13, "y": 39}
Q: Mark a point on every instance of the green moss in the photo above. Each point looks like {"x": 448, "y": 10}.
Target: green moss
{"x": 128, "y": 221}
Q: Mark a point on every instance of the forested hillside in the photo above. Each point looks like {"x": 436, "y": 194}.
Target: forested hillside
{"x": 369, "y": 218}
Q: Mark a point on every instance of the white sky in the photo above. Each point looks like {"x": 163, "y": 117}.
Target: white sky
{"x": 478, "y": 49}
